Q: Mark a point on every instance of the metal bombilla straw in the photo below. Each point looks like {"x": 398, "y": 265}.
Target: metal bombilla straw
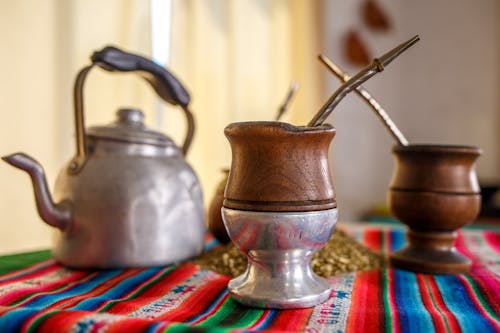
{"x": 286, "y": 103}
{"x": 367, "y": 97}
{"x": 366, "y": 73}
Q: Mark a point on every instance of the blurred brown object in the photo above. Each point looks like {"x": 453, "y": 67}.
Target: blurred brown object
{"x": 375, "y": 17}
{"x": 214, "y": 217}
{"x": 355, "y": 49}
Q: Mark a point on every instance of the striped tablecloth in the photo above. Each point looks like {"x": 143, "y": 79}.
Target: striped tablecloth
{"x": 47, "y": 297}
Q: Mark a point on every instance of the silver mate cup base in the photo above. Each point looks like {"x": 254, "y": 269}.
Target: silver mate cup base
{"x": 279, "y": 247}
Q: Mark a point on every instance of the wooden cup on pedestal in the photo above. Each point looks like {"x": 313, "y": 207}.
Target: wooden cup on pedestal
{"x": 434, "y": 191}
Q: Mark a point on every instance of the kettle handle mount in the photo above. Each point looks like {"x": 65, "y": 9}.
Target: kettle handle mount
{"x": 112, "y": 59}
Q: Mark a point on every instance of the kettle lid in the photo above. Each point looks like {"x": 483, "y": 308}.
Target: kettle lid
{"x": 129, "y": 127}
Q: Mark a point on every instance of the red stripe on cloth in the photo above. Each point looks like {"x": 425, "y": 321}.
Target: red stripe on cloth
{"x": 373, "y": 239}
{"x": 442, "y": 319}
{"x": 437, "y": 320}
{"x": 366, "y": 310}
{"x": 493, "y": 240}
{"x": 83, "y": 321}
{"x": 128, "y": 325}
{"x": 214, "y": 308}
{"x": 57, "y": 322}
{"x": 153, "y": 292}
{"x": 100, "y": 289}
{"x": 451, "y": 320}
{"x": 29, "y": 272}
{"x": 197, "y": 302}
{"x": 486, "y": 281}
{"x": 26, "y": 294}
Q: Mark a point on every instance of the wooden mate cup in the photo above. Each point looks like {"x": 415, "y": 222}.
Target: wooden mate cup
{"x": 434, "y": 191}
{"x": 279, "y": 167}
{"x": 279, "y": 209}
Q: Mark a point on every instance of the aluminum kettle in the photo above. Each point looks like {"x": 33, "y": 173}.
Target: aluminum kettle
{"x": 128, "y": 198}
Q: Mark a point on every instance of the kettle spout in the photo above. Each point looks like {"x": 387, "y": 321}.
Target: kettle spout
{"x": 56, "y": 215}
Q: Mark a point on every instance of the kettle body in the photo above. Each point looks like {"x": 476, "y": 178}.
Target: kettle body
{"x": 127, "y": 199}
{"x": 134, "y": 205}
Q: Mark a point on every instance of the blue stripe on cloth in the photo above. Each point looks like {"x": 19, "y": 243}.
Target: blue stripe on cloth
{"x": 153, "y": 327}
{"x": 117, "y": 291}
{"x": 458, "y": 301}
{"x": 13, "y": 320}
{"x": 413, "y": 316}
{"x": 398, "y": 239}
{"x": 269, "y": 319}
{"x": 45, "y": 300}
{"x": 213, "y": 243}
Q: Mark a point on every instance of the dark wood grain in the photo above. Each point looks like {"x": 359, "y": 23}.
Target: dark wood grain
{"x": 279, "y": 167}
{"x": 436, "y": 168}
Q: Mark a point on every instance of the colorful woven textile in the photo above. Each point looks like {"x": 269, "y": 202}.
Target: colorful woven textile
{"x": 47, "y": 297}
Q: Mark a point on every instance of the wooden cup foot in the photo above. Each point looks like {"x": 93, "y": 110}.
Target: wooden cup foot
{"x": 431, "y": 252}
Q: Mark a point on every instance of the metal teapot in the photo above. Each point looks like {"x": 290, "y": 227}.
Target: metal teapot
{"x": 128, "y": 198}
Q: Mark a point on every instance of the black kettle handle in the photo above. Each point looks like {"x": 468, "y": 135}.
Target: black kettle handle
{"x": 163, "y": 82}
{"x": 112, "y": 59}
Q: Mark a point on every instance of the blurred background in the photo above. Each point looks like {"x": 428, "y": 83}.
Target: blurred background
{"x": 238, "y": 59}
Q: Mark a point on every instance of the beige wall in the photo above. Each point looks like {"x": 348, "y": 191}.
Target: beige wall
{"x": 27, "y": 57}
{"x": 445, "y": 89}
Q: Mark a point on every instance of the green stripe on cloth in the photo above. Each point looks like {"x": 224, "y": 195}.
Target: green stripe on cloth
{"x": 221, "y": 313}
{"x": 183, "y": 328}
{"x": 241, "y": 317}
{"x": 15, "y": 262}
